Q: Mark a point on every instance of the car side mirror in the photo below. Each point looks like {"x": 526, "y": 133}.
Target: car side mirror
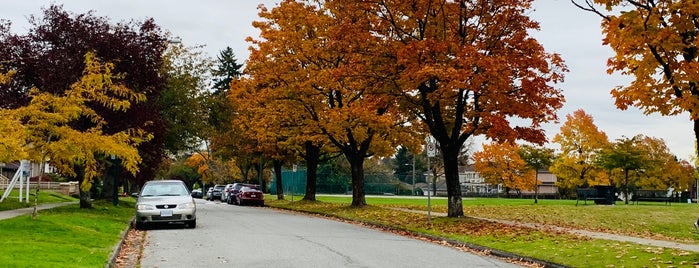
{"x": 134, "y": 194}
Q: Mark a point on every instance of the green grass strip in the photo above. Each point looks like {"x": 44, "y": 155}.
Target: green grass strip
{"x": 64, "y": 237}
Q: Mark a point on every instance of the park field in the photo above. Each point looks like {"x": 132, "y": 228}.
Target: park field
{"x": 646, "y": 220}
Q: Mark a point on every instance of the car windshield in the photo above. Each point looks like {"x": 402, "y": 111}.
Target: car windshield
{"x": 164, "y": 189}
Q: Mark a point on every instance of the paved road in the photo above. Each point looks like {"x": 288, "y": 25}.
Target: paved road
{"x": 232, "y": 236}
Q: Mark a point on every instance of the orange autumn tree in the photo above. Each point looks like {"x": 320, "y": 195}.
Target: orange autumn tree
{"x": 664, "y": 169}
{"x": 656, "y": 43}
{"x": 580, "y": 142}
{"x": 312, "y": 59}
{"x": 500, "y": 163}
{"x": 466, "y": 68}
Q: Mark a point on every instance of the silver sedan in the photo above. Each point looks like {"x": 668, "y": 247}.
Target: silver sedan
{"x": 165, "y": 201}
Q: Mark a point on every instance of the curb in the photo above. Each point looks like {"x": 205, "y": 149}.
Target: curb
{"x": 111, "y": 263}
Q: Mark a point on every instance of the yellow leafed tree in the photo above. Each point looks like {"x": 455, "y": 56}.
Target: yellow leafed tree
{"x": 45, "y": 126}
{"x": 580, "y": 141}
{"x": 10, "y": 142}
{"x": 499, "y": 163}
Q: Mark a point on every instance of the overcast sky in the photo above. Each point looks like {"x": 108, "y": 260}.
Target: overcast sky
{"x": 566, "y": 30}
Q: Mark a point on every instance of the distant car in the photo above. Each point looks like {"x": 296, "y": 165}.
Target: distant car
{"x": 250, "y": 195}
{"x": 215, "y": 192}
{"x": 197, "y": 193}
{"x": 233, "y": 192}
{"x": 218, "y": 191}
{"x": 209, "y": 193}
{"x": 165, "y": 201}
{"x": 224, "y": 193}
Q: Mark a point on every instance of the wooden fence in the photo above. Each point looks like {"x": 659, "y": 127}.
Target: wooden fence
{"x": 67, "y": 188}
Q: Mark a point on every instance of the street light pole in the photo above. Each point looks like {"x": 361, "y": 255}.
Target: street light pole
{"x": 413, "y": 175}
{"x": 115, "y": 192}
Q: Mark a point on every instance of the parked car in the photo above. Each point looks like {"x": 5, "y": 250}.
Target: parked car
{"x": 233, "y": 193}
{"x": 197, "y": 193}
{"x": 165, "y": 201}
{"x": 226, "y": 190}
{"x": 209, "y": 193}
{"x": 250, "y": 195}
{"x": 215, "y": 192}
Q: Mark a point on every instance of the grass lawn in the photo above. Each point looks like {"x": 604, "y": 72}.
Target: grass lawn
{"x": 45, "y": 197}
{"x": 649, "y": 220}
{"x": 65, "y": 236}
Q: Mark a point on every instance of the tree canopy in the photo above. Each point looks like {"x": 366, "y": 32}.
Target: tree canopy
{"x": 45, "y": 131}
{"x": 655, "y": 42}
{"x": 580, "y": 141}
{"x": 50, "y": 58}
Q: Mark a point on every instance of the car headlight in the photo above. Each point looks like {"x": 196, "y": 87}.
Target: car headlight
{"x": 144, "y": 207}
{"x": 187, "y": 205}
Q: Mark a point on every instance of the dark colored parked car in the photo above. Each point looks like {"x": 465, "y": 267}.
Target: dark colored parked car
{"x": 197, "y": 193}
{"x": 232, "y": 193}
{"x": 215, "y": 192}
{"x": 250, "y": 195}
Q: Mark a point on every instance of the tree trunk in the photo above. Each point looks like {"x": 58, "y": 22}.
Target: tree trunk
{"x": 451, "y": 174}
{"x": 626, "y": 186}
{"x": 278, "y": 176}
{"x": 312, "y": 158}
{"x": 696, "y": 137}
{"x": 536, "y": 186}
{"x": 108, "y": 187}
{"x": 357, "y": 166}
{"x": 85, "y": 200}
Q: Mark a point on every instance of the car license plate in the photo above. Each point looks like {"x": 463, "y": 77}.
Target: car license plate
{"x": 166, "y": 213}
{"x": 252, "y": 195}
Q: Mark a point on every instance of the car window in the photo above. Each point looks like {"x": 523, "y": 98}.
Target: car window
{"x": 165, "y": 189}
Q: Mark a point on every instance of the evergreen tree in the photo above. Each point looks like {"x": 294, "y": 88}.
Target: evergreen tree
{"x": 225, "y": 71}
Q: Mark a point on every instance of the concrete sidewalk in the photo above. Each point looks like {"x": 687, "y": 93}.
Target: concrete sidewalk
{"x": 591, "y": 234}
{"x": 7, "y": 214}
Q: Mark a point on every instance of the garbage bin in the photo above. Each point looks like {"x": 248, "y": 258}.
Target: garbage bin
{"x": 607, "y": 194}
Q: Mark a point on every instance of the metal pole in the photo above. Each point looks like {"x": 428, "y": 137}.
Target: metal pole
{"x": 429, "y": 209}
{"x": 115, "y": 192}
{"x": 413, "y": 175}
{"x": 29, "y": 175}
{"x": 21, "y": 182}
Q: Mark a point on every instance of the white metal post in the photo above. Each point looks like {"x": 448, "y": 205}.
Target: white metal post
{"x": 413, "y": 175}
{"x": 27, "y": 172}
{"x": 429, "y": 189}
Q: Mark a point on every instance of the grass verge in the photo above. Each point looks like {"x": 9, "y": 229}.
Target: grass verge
{"x": 544, "y": 244}
{"x": 66, "y": 236}
{"x": 45, "y": 197}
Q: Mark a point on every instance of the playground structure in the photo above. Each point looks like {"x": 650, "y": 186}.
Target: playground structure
{"x": 22, "y": 175}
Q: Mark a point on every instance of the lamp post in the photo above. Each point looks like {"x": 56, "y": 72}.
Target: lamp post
{"x": 115, "y": 192}
{"x": 413, "y": 175}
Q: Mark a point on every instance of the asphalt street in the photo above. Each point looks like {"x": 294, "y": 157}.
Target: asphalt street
{"x": 233, "y": 236}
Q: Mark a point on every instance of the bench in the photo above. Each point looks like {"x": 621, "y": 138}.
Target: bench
{"x": 650, "y": 195}
{"x": 587, "y": 194}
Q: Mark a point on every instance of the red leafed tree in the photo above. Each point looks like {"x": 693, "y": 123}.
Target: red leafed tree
{"x": 466, "y": 68}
